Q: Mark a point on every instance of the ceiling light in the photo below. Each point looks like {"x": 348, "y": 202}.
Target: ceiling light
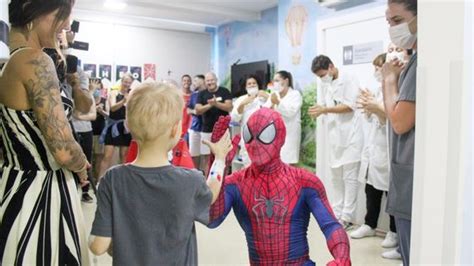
{"x": 115, "y": 5}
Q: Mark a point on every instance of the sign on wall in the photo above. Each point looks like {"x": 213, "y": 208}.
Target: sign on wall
{"x": 91, "y": 70}
{"x": 149, "y": 71}
{"x": 105, "y": 72}
{"x": 120, "y": 70}
{"x": 136, "y": 73}
{"x": 361, "y": 53}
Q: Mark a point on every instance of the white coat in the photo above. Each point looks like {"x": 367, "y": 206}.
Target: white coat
{"x": 344, "y": 130}
{"x": 374, "y": 161}
{"x": 290, "y": 110}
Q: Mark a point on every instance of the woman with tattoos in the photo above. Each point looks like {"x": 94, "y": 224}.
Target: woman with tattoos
{"x": 41, "y": 220}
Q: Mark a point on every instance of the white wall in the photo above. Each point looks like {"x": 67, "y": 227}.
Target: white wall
{"x": 113, "y": 44}
{"x": 443, "y": 90}
{"x": 467, "y": 249}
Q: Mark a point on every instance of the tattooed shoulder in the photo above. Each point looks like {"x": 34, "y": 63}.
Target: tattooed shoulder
{"x": 41, "y": 81}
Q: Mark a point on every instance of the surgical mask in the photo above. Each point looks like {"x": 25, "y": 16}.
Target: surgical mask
{"x": 252, "y": 91}
{"x": 401, "y": 35}
{"x": 396, "y": 55}
{"x": 276, "y": 87}
{"x": 326, "y": 79}
{"x": 96, "y": 94}
{"x": 378, "y": 76}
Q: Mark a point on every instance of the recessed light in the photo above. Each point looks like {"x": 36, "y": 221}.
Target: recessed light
{"x": 115, "y": 5}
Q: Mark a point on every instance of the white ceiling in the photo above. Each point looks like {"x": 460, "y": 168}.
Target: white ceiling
{"x": 200, "y": 12}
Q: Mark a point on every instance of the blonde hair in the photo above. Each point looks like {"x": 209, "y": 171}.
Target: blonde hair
{"x": 380, "y": 60}
{"x": 127, "y": 75}
{"x": 153, "y": 108}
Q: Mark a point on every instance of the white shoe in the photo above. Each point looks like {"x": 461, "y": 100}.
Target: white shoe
{"x": 363, "y": 231}
{"x": 392, "y": 255}
{"x": 390, "y": 241}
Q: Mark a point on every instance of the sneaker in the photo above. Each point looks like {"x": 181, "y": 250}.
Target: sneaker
{"x": 363, "y": 231}
{"x": 390, "y": 241}
{"x": 86, "y": 198}
{"x": 392, "y": 255}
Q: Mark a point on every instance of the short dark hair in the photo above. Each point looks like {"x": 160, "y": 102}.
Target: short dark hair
{"x": 200, "y": 76}
{"x": 410, "y": 5}
{"x": 320, "y": 62}
{"x": 257, "y": 79}
{"x": 186, "y": 76}
{"x": 286, "y": 75}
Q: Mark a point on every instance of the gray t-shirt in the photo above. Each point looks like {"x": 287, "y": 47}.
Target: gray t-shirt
{"x": 402, "y": 152}
{"x": 149, "y": 213}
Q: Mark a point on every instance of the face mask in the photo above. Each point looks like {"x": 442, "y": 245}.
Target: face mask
{"x": 252, "y": 91}
{"x": 401, "y": 35}
{"x": 326, "y": 79}
{"x": 378, "y": 76}
{"x": 96, "y": 94}
{"x": 276, "y": 87}
{"x": 396, "y": 55}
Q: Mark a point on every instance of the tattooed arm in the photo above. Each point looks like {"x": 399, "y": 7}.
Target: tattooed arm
{"x": 42, "y": 87}
{"x": 89, "y": 116}
{"x": 80, "y": 90}
{"x": 82, "y": 97}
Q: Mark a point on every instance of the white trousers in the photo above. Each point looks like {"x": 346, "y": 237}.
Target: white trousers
{"x": 345, "y": 183}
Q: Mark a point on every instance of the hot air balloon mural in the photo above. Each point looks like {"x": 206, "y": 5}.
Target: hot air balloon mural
{"x": 227, "y": 35}
{"x": 295, "y": 25}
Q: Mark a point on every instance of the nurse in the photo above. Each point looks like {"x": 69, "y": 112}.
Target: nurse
{"x": 399, "y": 93}
{"x": 245, "y": 106}
{"x": 375, "y": 163}
{"x": 339, "y": 97}
{"x": 287, "y": 101}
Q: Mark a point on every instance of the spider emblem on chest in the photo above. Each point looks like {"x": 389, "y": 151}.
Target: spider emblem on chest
{"x": 270, "y": 208}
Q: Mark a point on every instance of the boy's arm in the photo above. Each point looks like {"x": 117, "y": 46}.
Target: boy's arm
{"x": 221, "y": 199}
{"x": 336, "y": 237}
{"x": 101, "y": 234}
{"x": 99, "y": 244}
{"x": 220, "y": 150}
{"x": 214, "y": 180}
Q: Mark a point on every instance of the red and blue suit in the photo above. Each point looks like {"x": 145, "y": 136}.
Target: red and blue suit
{"x": 273, "y": 201}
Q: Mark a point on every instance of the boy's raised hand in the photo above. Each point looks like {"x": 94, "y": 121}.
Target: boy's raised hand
{"x": 216, "y": 172}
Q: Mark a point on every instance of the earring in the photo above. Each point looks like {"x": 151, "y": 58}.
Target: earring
{"x": 29, "y": 26}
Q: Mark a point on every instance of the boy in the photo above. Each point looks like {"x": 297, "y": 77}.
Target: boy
{"x": 149, "y": 207}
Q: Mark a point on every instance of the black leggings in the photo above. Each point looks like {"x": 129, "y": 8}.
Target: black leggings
{"x": 374, "y": 200}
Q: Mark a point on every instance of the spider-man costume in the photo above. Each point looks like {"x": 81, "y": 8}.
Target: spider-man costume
{"x": 273, "y": 201}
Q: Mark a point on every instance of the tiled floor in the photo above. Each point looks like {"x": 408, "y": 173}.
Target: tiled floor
{"x": 226, "y": 245}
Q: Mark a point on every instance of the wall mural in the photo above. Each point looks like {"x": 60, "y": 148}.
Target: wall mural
{"x": 295, "y": 25}
{"x": 246, "y": 42}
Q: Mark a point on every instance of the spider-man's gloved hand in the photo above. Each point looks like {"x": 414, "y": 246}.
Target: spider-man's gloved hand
{"x": 221, "y": 126}
{"x": 340, "y": 262}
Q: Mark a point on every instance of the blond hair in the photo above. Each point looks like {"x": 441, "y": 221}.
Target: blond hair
{"x": 153, "y": 108}
{"x": 380, "y": 60}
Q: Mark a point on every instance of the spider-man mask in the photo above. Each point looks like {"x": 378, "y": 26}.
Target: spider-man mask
{"x": 264, "y": 135}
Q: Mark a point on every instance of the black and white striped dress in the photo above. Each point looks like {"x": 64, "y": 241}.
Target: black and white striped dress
{"x": 41, "y": 221}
